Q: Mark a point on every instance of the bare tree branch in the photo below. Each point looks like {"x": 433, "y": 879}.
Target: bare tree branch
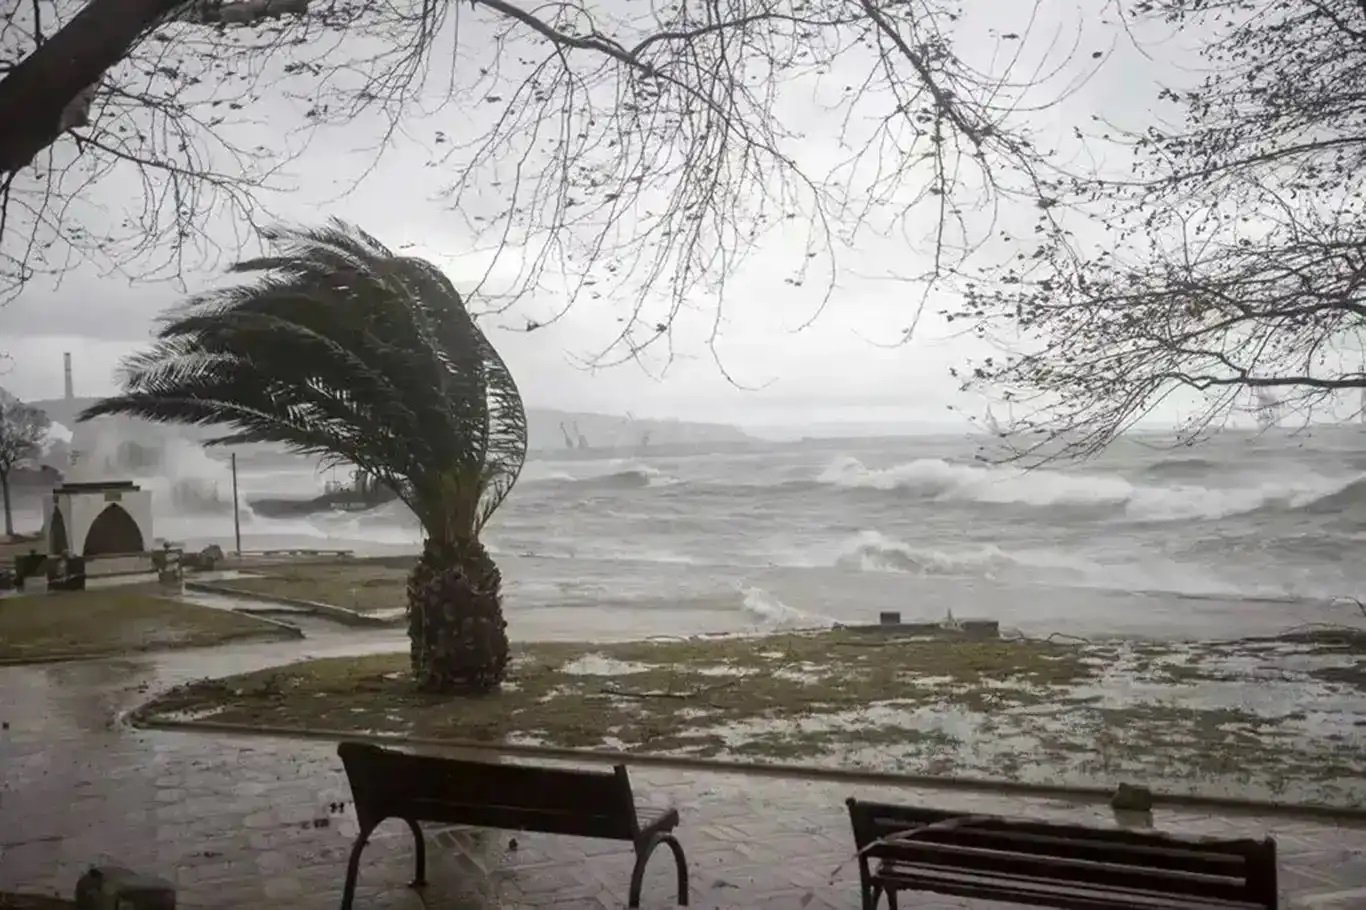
{"x": 1232, "y": 261}
{"x": 22, "y": 431}
{"x": 38, "y": 87}
{"x": 633, "y": 154}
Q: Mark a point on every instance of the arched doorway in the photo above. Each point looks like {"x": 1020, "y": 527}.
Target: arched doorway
{"x": 56, "y": 536}
{"x": 113, "y": 532}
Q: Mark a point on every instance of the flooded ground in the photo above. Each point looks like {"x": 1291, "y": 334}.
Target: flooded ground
{"x": 1281, "y": 719}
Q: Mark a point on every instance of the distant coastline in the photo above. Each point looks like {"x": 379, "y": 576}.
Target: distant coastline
{"x": 554, "y": 434}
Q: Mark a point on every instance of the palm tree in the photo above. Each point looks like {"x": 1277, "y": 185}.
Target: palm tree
{"x": 339, "y": 348}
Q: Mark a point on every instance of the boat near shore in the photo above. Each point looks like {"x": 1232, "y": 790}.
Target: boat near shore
{"x": 364, "y": 492}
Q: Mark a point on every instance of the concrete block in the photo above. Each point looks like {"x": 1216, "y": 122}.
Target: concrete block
{"x": 981, "y": 629}
{"x": 115, "y": 888}
{"x": 1132, "y": 798}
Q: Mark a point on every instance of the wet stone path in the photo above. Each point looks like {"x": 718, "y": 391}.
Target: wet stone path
{"x": 246, "y": 822}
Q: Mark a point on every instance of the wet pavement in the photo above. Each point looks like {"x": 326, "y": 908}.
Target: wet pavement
{"x": 240, "y": 822}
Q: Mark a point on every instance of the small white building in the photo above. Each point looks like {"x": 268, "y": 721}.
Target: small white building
{"x": 94, "y": 519}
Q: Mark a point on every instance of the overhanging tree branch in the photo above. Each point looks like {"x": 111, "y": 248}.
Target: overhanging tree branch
{"x": 635, "y": 153}
{"x": 1228, "y": 263}
{"x": 36, "y": 91}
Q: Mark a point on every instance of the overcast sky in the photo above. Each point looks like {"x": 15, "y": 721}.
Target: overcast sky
{"x": 839, "y": 368}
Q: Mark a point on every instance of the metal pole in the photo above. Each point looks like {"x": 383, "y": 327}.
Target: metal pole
{"x": 236, "y": 511}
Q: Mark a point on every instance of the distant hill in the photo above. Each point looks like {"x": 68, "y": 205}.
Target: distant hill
{"x": 546, "y": 430}
{"x": 550, "y": 430}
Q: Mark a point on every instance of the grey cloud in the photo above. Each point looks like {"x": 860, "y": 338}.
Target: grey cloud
{"x": 829, "y": 368}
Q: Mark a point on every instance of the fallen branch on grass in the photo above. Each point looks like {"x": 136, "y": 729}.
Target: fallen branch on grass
{"x": 683, "y": 696}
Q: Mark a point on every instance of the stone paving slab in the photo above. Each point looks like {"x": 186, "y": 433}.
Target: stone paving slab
{"x": 245, "y": 822}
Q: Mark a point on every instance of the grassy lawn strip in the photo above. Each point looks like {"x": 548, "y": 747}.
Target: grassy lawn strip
{"x": 11, "y": 901}
{"x": 657, "y": 695}
{"x": 365, "y": 585}
{"x": 1277, "y": 721}
{"x": 18, "y": 545}
{"x": 113, "y": 621}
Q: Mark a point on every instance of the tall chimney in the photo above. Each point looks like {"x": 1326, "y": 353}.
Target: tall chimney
{"x": 66, "y": 366}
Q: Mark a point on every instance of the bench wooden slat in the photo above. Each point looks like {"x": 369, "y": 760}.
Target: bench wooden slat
{"x": 1165, "y": 857}
{"x": 1052, "y": 864}
{"x": 520, "y": 818}
{"x": 886, "y": 818}
{"x": 459, "y": 780}
{"x": 1066, "y": 868}
{"x": 1046, "y": 892}
{"x": 446, "y": 788}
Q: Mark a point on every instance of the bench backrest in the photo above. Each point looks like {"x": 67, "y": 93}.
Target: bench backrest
{"x": 1242, "y": 870}
{"x": 386, "y": 783}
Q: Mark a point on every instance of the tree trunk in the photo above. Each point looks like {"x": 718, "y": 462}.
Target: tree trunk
{"x": 455, "y": 619}
{"x": 38, "y": 89}
{"x": 9, "y": 512}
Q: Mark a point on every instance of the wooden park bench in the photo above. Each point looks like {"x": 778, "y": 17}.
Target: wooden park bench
{"x": 1044, "y": 864}
{"x": 415, "y": 788}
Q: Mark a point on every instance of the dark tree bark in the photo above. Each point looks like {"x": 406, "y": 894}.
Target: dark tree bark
{"x": 38, "y": 89}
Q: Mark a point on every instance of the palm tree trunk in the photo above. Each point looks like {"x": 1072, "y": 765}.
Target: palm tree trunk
{"x": 455, "y": 619}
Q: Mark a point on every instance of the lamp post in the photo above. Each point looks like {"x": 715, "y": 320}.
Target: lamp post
{"x": 236, "y": 509}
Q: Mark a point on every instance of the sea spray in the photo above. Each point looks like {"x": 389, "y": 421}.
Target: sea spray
{"x": 873, "y": 551}
{"x": 941, "y": 480}
{"x": 845, "y": 528}
{"x": 772, "y": 614}
{"x": 607, "y": 473}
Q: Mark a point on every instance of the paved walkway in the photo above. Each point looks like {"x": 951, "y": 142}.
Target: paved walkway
{"x": 250, "y": 822}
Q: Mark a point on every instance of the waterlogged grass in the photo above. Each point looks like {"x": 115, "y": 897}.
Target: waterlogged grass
{"x": 634, "y": 693}
{"x": 367, "y": 585}
{"x": 113, "y": 621}
{"x": 1263, "y": 722}
{"x": 17, "y": 545}
{"x": 13, "y": 901}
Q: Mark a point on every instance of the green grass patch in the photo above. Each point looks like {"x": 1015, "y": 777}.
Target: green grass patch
{"x": 1018, "y": 710}
{"x": 12, "y": 901}
{"x": 664, "y": 696}
{"x": 113, "y": 621}
{"x": 1348, "y": 644}
{"x": 360, "y": 584}
{"x": 18, "y": 545}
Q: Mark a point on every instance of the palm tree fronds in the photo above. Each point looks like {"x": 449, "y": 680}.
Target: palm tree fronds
{"x": 338, "y": 348}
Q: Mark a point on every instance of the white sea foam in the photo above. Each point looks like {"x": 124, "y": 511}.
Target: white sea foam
{"x": 873, "y": 551}
{"x": 771, "y": 613}
{"x": 935, "y": 478}
{"x": 600, "y": 665}
{"x": 615, "y": 472}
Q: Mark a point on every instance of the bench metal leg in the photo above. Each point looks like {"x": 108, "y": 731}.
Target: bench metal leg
{"x": 643, "y": 852}
{"x": 872, "y": 893}
{"x": 353, "y": 868}
{"x": 868, "y": 891}
{"x": 420, "y": 845}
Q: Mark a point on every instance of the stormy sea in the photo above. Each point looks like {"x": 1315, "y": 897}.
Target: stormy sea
{"x": 1248, "y": 533}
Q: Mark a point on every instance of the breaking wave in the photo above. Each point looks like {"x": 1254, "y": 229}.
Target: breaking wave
{"x": 1348, "y": 498}
{"x": 611, "y": 475}
{"x": 1181, "y": 467}
{"x": 940, "y": 480}
{"x": 772, "y": 614}
{"x": 873, "y": 551}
